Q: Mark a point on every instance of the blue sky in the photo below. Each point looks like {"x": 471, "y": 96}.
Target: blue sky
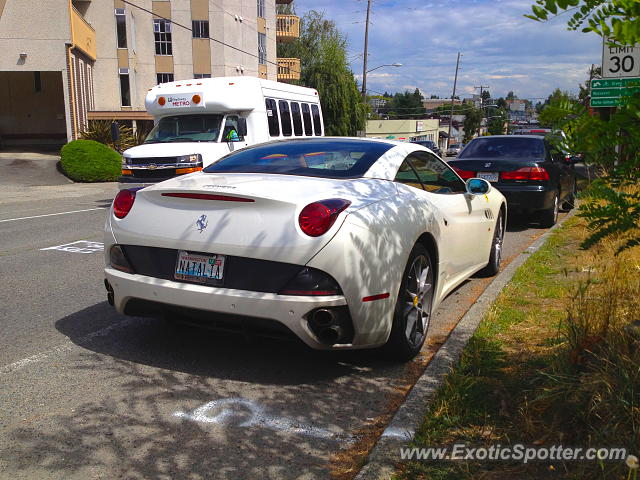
{"x": 500, "y": 47}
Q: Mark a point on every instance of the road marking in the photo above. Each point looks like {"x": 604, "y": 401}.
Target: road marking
{"x": 81, "y": 246}
{"x": 52, "y": 214}
{"x": 247, "y": 413}
{"x": 62, "y": 348}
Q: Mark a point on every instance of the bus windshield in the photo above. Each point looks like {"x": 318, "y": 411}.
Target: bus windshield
{"x": 186, "y": 128}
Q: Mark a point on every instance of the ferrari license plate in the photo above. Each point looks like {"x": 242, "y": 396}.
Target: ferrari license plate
{"x": 196, "y": 267}
{"x": 488, "y": 176}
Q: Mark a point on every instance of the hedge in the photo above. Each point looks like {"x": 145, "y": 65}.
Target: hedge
{"x": 90, "y": 161}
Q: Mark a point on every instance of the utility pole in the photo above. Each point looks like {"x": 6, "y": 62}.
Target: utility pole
{"x": 453, "y": 96}
{"x": 366, "y": 53}
{"x": 481, "y": 87}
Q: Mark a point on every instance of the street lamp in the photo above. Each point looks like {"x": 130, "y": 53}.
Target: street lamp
{"x": 364, "y": 77}
{"x": 385, "y": 65}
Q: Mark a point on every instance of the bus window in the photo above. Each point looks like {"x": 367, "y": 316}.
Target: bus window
{"x": 317, "y": 123}
{"x": 297, "y": 119}
{"x": 285, "y": 116}
{"x": 272, "y": 117}
{"x": 306, "y": 118}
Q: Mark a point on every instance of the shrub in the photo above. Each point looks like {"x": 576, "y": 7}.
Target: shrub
{"x": 100, "y": 131}
{"x": 90, "y": 161}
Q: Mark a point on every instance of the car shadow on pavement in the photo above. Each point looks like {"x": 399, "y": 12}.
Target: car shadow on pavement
{"x": 211, "y": 353}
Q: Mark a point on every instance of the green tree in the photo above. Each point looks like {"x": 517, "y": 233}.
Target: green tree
{"x": 322, "y": 50}
{"x": 613, "y": 143}
{"x": 486, "y": 95}
{"x": 497, "y": 122}
{"x": 472, "y": 121}
{"x": 585, "y": 89}
{"x": 553, "y": 112}
{"x": 405, "y": 105}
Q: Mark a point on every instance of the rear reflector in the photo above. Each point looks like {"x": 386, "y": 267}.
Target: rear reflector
{"x": 208, "y": 196}
{"x": 526, "y": 173}
{"x": 464, "y": 174}
{"x": 380, "y": 296}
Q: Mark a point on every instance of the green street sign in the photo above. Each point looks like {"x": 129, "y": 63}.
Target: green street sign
{"x": 613, "y": 92}
{"x": 614, "y": 83}
{"x": 609, "y": 102}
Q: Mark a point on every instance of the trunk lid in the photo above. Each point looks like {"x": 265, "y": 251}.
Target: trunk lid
{"x": 245, "y": 215}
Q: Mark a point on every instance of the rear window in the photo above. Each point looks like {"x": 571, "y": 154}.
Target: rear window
{"x": 504, "y": 147}
{"x": 313, "y": 158}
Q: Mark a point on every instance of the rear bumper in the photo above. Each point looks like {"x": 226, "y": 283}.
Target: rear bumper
{"x": 527, "y": 197}
{"x": 288, "y": 310}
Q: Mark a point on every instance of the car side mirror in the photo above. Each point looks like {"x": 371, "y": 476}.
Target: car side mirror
{"x": 477, "y": 186}
{"x": 242, "y": 127}
{"x": 572, "y": 160}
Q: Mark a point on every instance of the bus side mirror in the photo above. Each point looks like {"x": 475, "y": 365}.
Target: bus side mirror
{"x": 115, "y": 132}
{"x": 242, "y": 127}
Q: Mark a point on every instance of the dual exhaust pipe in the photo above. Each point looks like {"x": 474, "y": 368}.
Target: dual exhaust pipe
{"x": 328, "y": 326}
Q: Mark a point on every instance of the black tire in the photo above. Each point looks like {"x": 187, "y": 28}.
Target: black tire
{"x": 415, "y": 300}
{"x": 495, "y": 256}
{"x": 549, "y": 217}
{"x": 570, "y": 201}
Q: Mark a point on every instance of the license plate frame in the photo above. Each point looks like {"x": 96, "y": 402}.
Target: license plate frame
{"x": 202, "y": 268}
{"x": 489, "y": 176}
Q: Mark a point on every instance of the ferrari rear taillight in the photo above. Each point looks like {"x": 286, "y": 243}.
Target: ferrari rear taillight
{"x": 123, "y": 202}
{"x": 318, "y": 217}
{"x": 464, "y": 174}
{"x": 526, "y": 173}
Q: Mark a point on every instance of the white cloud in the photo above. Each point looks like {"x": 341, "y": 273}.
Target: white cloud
{"x": 501, "y": 48}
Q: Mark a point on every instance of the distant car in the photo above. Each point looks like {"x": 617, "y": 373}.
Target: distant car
{"x": 454, "y": 149}
{"x": 347, "y": 243}
{"x": 533, "y": 175}
{"x": 431, "y": 145}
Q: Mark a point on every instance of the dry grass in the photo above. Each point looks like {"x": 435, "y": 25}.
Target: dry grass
{"x": 555, "y": 361}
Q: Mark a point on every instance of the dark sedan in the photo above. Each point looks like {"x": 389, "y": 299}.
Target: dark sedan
{"x": 431, "y": 145}
{"x": 534, "y": 176}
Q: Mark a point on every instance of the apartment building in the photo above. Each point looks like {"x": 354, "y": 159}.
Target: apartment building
{"x": 66, "y": 62}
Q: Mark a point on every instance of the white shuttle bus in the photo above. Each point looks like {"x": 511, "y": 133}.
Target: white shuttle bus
{"x": 199, "y": 121}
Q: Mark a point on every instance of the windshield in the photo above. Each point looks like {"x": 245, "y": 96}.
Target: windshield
{"x": 186, "y": 128}
{"x": 314, "y": 158}
{"x": 504, "y": 147}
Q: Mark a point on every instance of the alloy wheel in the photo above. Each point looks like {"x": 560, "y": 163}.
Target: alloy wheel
{"x": 418, "y": 296}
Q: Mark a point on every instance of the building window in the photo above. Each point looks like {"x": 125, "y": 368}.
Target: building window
{"x": 162, "y": 33}
{"x": 121, "y": 28}
{"x": 201, "y": 75}
{"x": 262, "y": 49}
{"x": 261, "y": 9}
{"x": 125, "y": 89}
{"x": 164, "y": 77}
{"x": 200, "y": 28}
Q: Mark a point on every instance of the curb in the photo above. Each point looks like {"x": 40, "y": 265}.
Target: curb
{"x": 381, "y": 461}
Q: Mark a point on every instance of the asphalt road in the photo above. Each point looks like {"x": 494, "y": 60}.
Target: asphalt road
{"x": 88, "y": 393}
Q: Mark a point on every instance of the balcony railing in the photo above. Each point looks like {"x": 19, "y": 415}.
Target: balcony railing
{"x": 283, "y": 2}
{"x": 287, "y": 28}
{"x": 83, "y": 36}
{"x": 288, "y": 69}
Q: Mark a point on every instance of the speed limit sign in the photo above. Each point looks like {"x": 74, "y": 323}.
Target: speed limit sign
{"x": 620, "y": 61}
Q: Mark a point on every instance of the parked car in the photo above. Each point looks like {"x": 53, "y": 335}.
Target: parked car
{"x": 454, "y": 149}
{"x": 347, "y": 243}
{"x": 534, "y": 176}
{"x": 431, "y": 145}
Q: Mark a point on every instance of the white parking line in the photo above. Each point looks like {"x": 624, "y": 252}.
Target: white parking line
{"x": 60, "y": 349}
{"x": 52, "y": 214}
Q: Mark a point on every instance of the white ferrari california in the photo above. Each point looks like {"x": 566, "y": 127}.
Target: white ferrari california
{"x": 346, "y": 242}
